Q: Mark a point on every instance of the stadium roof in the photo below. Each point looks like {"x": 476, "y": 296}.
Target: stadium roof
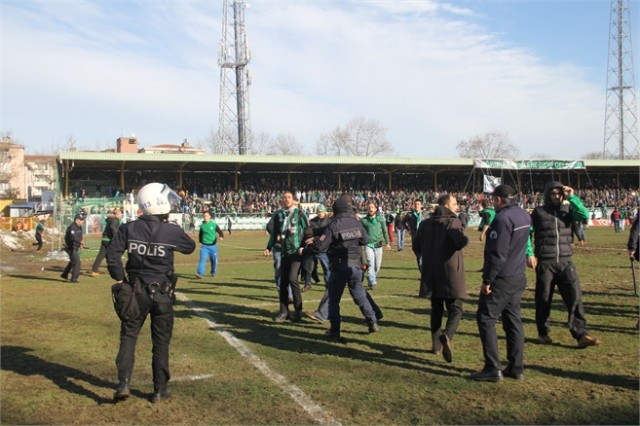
{"x": 105, "y": 161}
{"x": 238, "y": 163}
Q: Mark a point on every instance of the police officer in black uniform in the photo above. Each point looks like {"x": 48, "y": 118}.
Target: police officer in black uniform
{"x": 73, "y": 243}
{"x": 149, "y": 242}
{"x": 343, "y": 240}
{"x": 503, "y": 283}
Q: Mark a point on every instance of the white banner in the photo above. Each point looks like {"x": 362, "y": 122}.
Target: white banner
{"x": 491, "y": 182}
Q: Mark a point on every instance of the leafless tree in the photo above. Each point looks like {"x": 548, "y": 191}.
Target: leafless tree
{"x": 493, "y": 144}
{"x": 71, "y": 144}
{"x": 284, "y": 144}
{"x": 214, "y": 143}
{"x": 7, "y": 172}
{"x": 359, "y": 137}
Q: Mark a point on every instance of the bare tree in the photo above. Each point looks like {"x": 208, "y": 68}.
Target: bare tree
{"x": 284, "y": 144}
{"x": 593, "y": 155}
{"x": 7, "y": 172}
{"x": 541, "y": 156}
{"x": 217, "y": 146}
{"x": 493, "y": 144}
{"x": 71, "y": 144}
{"x": 359, "y": 137}
{"x": 599, "y": 155}
{"x": 256, "y": 145}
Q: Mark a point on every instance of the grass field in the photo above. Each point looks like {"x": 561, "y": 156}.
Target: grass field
{"x": 232, "y": 365}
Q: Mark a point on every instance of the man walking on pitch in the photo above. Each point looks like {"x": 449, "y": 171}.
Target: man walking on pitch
{"x": 376, "y": 229}
{"x": 112, "y": 224}
{"x": 209, "y": 231}
{"x": 289, "y": 228}
{"x": 73, "y": 243}
{"x": 552, "y": 236}
{"x": 440, "y": 241}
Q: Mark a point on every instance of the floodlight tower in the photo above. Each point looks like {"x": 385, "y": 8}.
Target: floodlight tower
{"x": 233, "y": 125}
{"x": 621, "y": 138}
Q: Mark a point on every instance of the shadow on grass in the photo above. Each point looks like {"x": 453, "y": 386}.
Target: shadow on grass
{"x": 18, "y": 360}
{"x": 615, "y": 380}
{"x": 254, "y": 325}
{"x": 35, "y": 277}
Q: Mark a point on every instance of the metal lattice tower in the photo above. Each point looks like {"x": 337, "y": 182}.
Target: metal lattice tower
{"x": 233, "y": 126}
{"x": 621, "y": 119}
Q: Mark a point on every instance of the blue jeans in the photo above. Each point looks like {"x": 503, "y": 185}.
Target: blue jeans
{"x": 208, "y": 253}
{"x": 374, "y": 260}
{"x": 277, "y": 267}
{"x": 400, "y": 238}
{"x": 323, "y": 258}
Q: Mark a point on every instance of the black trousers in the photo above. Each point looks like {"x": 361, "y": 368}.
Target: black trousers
{"x": 74, "y": 264}
{"x": 104, "y": 245}
{"x": 39, "y": 241}
{"x": 504, "y": 300}
{"x": 454, "y": 315}
{"x": 161, "y": 311}
{"x": 348, "y": 276}
{"x": 550, "y": 273}
{"x": 289, "y": 271}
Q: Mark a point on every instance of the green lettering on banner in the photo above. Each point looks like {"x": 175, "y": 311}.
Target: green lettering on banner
{"x": 529, "y": 164}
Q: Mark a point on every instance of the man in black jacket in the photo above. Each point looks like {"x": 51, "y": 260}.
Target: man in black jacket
{"x": 112, "y": 225}
{"x": 503, "y": 283}
{"x": 552, "y": 237}
{"x": 150, "y": 243}
{"x": 633, "y": 245}
{"x": 440, "y": 240}
{"x": 73, "y": 243}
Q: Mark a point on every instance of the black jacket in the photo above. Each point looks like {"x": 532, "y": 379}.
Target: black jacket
{"x": 634, "y": 237}
{"x": 552, "y": 225}
{"x": 342, "y": 239}
{"x": 133, "y": 238}
{"x": 111, "y": 227}
{"x": 73, "y": 236}
{"x": 411, "y": 221}
{"x": 506, "y": 246}
{"x": 440, "y": 241}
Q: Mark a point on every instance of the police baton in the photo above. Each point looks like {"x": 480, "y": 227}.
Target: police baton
{"x": 633, "y": 274}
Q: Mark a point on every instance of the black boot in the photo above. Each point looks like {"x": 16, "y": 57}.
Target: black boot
{"x": 122, "y": 391}
{"x": 160, "y": 394}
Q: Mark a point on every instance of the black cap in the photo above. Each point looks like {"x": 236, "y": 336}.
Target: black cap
{"x": 79, "y": 217}
{"x": 504, "y": 191}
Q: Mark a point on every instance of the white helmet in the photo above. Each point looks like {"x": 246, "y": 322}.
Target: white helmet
{"x": 157, "y": 198}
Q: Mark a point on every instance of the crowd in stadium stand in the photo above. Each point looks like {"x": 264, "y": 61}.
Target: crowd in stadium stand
{"x": 263, "y": 198}
{"x": 259, "y": 194}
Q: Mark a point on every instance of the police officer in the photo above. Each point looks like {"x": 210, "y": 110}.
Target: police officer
{"x": 149, "y": 242}
{"x": 73, "y": 243}
{"x": 343, "y": 240}
{"x": 503, "y": 283}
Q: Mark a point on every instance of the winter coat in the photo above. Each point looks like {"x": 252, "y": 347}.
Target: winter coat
{"x": 634, "y": 238}
{"x": 440, "y": 240}
{"x": 552, "y": 230}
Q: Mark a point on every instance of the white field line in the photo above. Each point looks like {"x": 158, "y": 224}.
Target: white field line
{"x": 317, "y": 413}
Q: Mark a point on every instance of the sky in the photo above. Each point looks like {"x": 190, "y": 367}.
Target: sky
{"x": 432, "y": 73}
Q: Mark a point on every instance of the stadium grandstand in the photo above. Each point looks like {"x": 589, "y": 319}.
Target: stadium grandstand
{"x": 250, "y": 186}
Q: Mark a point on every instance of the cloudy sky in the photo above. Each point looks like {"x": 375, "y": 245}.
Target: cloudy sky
{"x": 432, "y": 73}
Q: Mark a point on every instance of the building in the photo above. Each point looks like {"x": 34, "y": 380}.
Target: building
{"x": 12, "y": 170}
